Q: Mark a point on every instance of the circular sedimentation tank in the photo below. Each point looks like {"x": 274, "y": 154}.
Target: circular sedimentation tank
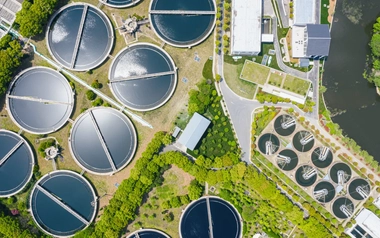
{"x": 343, "y": 207}
{"x": 80, "y": 36}
{"x": 340, "y": 173}
{"x": 303, "y": 141}
{"x": 359, "y": 189}
{"x": 182, "y": 23}
{"x": 194, "y": 221}
{"x": 268, "y": 144}
{"x": 16, "y": 163}
{"x": 287, "y": 160}
{"x": 111, "y": 137}
{"x": 121, "y": 3}
{"x": 40, "y": 100}
{"x": 322, "y": 157}
{"x": 285, "y": 125}
{"x": 143, "y": 77}
{"x": 63, "y": 203}
{"x": 306, "y": 175}
{"x": 148, "y": 233}
{"x": 324, "y": 192}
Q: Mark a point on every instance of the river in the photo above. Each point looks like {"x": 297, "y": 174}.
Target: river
{"x": 349, "y": 95}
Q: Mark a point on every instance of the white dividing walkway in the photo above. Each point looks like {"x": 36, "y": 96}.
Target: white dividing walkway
{"x": 109, "y": 157}
{"x": 79, "y": 37}
{"x": 210, "y": 230}
{"x": 6, "y": 157}
{"x": 64, "y": 206}
{"x": 144, "y": 76}
{"x": 33, "y": 99}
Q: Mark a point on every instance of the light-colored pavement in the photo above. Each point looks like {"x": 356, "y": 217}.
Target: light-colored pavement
{"x": 268, "y": 9}
{"x": 282, "y": 5}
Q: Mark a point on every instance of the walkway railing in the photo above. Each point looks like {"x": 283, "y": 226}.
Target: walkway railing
{"x": 8, "y": 155}
{"x": 182, "y": 12}
{"x": 26, "y": 98}
{"x": 143, "y": 76}
{"x": 209, "y": 218}
{"x": 79, "y": 37}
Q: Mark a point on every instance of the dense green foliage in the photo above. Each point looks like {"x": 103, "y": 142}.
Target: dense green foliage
{"x": 10, "y": 59}
{"x": 207, "y": 70}
{"x": 372, "y": 74}
{"x": 44, "y": 145}
{"x": 10, "y": 228}
{"x": 90, "y": 95}
{"x": 97, "y": 102}
{"x": 219, "y": 138}
{"x": 34, "y": 15}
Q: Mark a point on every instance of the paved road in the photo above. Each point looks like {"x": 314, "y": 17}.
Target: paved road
{"x": 282, "y": 12}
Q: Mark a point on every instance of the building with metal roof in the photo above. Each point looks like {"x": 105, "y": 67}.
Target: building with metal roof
{"x": 194, "y": 131}
{"x": 246, "y": 27}
{"x": 366, "y": 226}
{"x": 8, "y": 10}
{"x": 304, "y": 12}
{"x": 311, "y": 41}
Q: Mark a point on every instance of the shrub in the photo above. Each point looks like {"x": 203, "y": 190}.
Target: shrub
{"x": 90, "y": 95}
{"x": 96, "y": 84}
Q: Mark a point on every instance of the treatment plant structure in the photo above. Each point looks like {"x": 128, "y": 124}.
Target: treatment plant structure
{"x": 298, "y": 153}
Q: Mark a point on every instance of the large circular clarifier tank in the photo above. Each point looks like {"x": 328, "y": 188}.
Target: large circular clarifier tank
{"x": 80, "y": 36}
{"x": 303, "y": 141}
{"x": 343, "y": 207}
{"x": 287, "y": 160}
{"x": 343, "y": 169}
{"x": 306, "y": 175}
{"x": 324, "y": 192}
{"x": 143, "y": 77}
{"x": 322, "y": 157}
{"x": 63, "y": 203}
{"x": 194, "y": 221}
{"x": 268, "y": 144}
{"x": 359, "y": 189}
{"x": 103, "y": 141}
{"x": 40, "y": 100}
{"x": 182, "y": 23}
{"x": 148, "y": 233}
{"x": 16, "y": 163}
{"x": 285, "y": 125}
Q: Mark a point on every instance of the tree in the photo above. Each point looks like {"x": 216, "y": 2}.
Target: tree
{"x": 375, "y": 45}
{"x": 96, "y": 84}
{"x": 322, "y": 89}
{"x": 34, "y": 15}
{"x": 90, "y": 95}
{"x": 195, "y": 190}
{"x": 98, "y": 102}
{"x": 168, "y": 139}
{"x": 218, "y": 78}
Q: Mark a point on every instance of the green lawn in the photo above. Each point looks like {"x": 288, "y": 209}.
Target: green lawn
{"x": 275, "y": 79}
{"x": 254, "y": 72}
{"x": 240, "y": 87}
{"x": 324, "y": 12}
{"x": 296, "y": 85}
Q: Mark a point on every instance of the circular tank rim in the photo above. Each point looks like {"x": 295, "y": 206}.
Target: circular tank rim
{"x": 314, "y": 140}
{"x": 298, "y": 158}
{"x": 352, "y": 180}
{"x": 10, "y": 87}
{"x": 147, "y": 229}
{"x": 332, "y": 154}
{"x": 108, "y": 23}
{"x": 175, "y": 77}
{"x": 204, "y": 197}
{"x": 279, "y": 146}
{"x": 177, "y": 45}
{"x": 324, "y": 181}
{"x": 295, "y": 129}
{"x": 70, "y": 172}
{"x": 316, "y": 180}
{"x": 133, "y": 3}
{"x": 332, "y": 206}
{"x": 340, "y": 162}
{"x": 97, "y": 173}
{"x": 33, "y": 161}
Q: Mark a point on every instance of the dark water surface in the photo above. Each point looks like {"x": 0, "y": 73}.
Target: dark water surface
{"x": 348, "y": 92}
{"x": 225, "y": 220}
{"x": 182, "y": 29}
{"x": 72, "y": 190}
{"x": 15, "y": 172}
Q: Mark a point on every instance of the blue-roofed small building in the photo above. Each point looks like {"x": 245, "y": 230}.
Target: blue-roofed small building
{"x": 194, "y": 131}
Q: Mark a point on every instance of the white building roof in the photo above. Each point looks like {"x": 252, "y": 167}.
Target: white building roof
{"x": 304, "y": 12}
{"x": 298, "y": 42}
{"x": 369, "y": 222}
{"x": 377, "y": 202}
{"x": 8, "y": 10}
{"x": 194, "y": 131}
{"x": 246, "y": 27}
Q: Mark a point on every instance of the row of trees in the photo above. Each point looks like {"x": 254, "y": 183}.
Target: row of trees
{"x": 34, "y": 15}
{"x": 373, "y": 61}
{"x": 10, "y": 228}
{"x": 10, "y": 59}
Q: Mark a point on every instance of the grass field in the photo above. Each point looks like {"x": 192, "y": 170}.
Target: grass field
{"x": 240, "y": 87}
{"x": 254, "y": 73}
{"x": 296, "y": 85}
{"x": 275, "y": 79}
{"x": 324, "y": 11}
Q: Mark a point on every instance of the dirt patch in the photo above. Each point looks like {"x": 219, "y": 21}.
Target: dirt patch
{"x": 331, "y": 10}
